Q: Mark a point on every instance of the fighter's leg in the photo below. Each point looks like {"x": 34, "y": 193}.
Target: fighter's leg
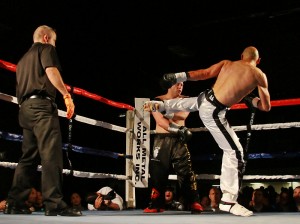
{"x": 159, "y": 172}
{"x": 233, "y": 163}
{"x": 189, "y": 104}
{"x": 182, "y": 165}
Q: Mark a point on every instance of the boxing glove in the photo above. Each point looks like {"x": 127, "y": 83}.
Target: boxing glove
{"x": 251, "y": 101}
{"x": 184, "y": 134}
{"x": 170, "y": 79}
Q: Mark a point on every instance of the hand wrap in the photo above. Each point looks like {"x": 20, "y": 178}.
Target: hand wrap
{"x": 169, "y": 116}
{"x": 154, "y": 106}
{"x": 69, "y": 105}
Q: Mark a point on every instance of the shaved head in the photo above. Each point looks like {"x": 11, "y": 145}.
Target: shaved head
{"x": 43, "y": 30}
{"x": 250, "y": 54}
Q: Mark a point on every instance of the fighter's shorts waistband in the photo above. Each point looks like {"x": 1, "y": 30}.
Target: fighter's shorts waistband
{"x": 210, "y": 96}
{"x": 163, "y": 135}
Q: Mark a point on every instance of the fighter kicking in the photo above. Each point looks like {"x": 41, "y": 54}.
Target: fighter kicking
{"x": 235, "y": 80}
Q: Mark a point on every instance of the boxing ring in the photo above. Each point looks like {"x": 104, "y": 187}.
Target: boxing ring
{"x": 133, "y": 155}
{"x": 138, "y": 217}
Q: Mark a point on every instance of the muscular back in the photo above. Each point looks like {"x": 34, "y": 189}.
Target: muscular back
{"x": 237, "y": 79}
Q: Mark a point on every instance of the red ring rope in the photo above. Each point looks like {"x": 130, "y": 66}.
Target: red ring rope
{"x": 11, "y": 67}
{"x": 274, "y": 103}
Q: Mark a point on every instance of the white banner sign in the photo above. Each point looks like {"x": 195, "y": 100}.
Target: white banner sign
{"x": 141, "y": 145}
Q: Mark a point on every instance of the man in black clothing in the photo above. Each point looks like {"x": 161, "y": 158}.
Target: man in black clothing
{"x": 170, "y": 150}
{"x": 38, "y": 79}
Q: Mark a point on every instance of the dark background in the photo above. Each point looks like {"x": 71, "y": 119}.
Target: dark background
{"x": 120, "y": 49}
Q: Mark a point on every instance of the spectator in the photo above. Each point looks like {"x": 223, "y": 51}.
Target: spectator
{"x": 205, "y": 202}
{"x": 76, "y": 201}
{"x": 285, "y": 203}
{"x": 245, "y": 196}
{"x": 2, "y": 205}
{"x": 273, "y": 195}
{"x": 215, "y": 199}
{"x": 105, "y": 199}
{"x": 259, "y": 202}
{"x": 296, "y": 198}
{"x": 170, "y": 202}
{"x": 34, "y": 201}
{"x": 31, "y": 199}
{"x": 38, "y": 204}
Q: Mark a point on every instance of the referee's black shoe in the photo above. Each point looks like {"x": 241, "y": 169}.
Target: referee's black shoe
{"x": 12, "y": 209}
{"x": 63, "y": 212}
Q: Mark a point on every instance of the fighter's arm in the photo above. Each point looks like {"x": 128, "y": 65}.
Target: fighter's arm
{"x": 163, "y": 119}
{"x": 207, "y": 73}
{"x": 170, "y": 126}
{"x": 160, "y": 120}
{"x": 170, "y": 79}
{"x": 264, "y": 104}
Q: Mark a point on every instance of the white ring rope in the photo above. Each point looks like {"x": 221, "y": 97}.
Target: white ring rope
{"x": 82, "y": 119}
{"x": 77, "y": 117}
{"x": 75, "y": 172}
{"x": 123, "y": 129}
{"x": 258, "y": 127}
{"x": 245, "y": 177}
{"x": 171, "y": 177}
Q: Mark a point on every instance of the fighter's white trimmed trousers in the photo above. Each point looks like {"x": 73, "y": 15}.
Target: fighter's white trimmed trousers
{"x": 215, "y": 121}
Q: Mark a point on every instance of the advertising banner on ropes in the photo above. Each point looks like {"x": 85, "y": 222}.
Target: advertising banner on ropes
{"x": 141, "y": 145}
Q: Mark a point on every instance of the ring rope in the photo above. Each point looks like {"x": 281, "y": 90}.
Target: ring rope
{"x": 274, "y": 103}
{"x": 99, "y": 152}
{"x": 66, "y": 146}
{"x": 255, "y": 127}
{"x": 245, "y": 177}
{"x": 76, "y": 173}
{"x": 79, "y": 118}
{"x": 12, "y": 67}
{"x": 122, "y": 129}
{"x": 171, "y": 177}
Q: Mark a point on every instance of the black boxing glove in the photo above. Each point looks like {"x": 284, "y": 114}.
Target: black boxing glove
{"x": 170, "y": 79}
{"x": 251, "y": 101}
{"x": 184, "y": 134}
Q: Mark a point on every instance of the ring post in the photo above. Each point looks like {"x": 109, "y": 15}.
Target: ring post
{"x": 129, "y": 187}
{"x": 141, "y": 145}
